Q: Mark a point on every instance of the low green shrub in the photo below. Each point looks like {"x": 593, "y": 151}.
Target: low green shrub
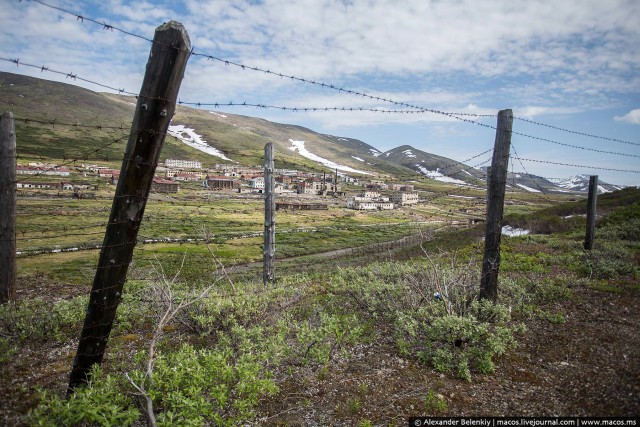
{"x": 608, "y": 260}
{"x": 194, "y": 387}
{"x": 40, "y": 320}
{"x": 462, "y": 344}
{"x": 102, "y": 402}
{"x": 434, "y": 404}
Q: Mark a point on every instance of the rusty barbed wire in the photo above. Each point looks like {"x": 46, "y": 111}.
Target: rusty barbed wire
{"x": 616, "y": 153}
{"x": 83, "y": 18}
{"x": 576, "y": 132}
{"x": 577, "y": 166}
{"x": 321, "y": 109}
{"x": 72, "y": 76}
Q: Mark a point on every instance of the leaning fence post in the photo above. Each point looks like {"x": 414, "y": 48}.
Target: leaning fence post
{"x": 269, "y": 250}
{"x": 591, "y": 212}
{"x": 7, "y": 208}
{"x": 495, "y": 207}
{"x": 154, "y": 110}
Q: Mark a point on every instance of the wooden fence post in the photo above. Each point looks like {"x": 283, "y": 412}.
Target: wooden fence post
{"x": 591, "y": 212}
{"x": 7, "y": 208}
{"x": 155, "y": 107}
{"x": 269, "y": 250}
{"x": 495, "y": 207}
{"x": 488, "y": 188}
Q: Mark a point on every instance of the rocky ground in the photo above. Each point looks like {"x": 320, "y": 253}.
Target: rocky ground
{"x": 587, "y": 366}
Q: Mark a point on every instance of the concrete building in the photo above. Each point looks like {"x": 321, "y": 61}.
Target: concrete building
{"x": 176, "y": 163}
{"x": 369, "y": 204}
{"x": 257, "y": 183}
{"x": 404, "y": 198}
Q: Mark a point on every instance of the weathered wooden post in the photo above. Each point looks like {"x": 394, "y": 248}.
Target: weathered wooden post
{"x": 7, "y": 208}
{"x": 495, "y": 208}
{"x": 488, "y": 188}
{"x": 591, "y": 212}
{"x": 269, "y": 249}
{"x": 156, "y": 105}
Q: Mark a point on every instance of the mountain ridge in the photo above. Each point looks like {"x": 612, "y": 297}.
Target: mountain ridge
{"x": 231, "y": 137}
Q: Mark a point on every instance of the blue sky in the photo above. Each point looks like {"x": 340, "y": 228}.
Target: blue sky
{"x": 572, "y": 64}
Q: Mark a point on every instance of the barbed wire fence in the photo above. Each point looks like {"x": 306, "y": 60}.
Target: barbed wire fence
{"x": 408, "y": 108}
{"x": 61, "y": 232}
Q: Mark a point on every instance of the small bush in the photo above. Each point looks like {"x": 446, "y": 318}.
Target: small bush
{"x": 102, "y": 402}
{"x": 434, "y": 404}
{"x": 38, "y": 320}
{"x": 460, "y": 344}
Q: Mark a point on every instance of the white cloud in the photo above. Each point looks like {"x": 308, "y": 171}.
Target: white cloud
{"x": 632, "y": 117}
{"x": 531, "y": 111}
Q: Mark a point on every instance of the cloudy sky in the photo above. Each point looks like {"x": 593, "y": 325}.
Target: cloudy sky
{"x": 573, "y": 65}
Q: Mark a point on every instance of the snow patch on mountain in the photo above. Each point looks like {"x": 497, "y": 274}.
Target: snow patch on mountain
{"x": 529, "y": 189}
{"x": 436, "y": 175}
{"x": 189, "y": 137}
{"x": 300, "y": 148}
{"x": 507, "y": 230}
{"x": 409, "y": 154}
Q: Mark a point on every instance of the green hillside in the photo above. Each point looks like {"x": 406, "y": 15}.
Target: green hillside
{"x": 62, "y": 121}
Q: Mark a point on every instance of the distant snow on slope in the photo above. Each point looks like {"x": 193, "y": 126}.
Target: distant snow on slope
{"x": 507, "y": 230}
{"x": 438, "y": 176}
{"x": 299, "y": 146}
{"x": 581, "y": 183}
{"x": 529, "y": 189}
{"x": 218, "y": 114}
{"x": 576, "y": 183}
{"x": 192, "y": 139}
{"x": 358, "y": 158}
{"x": 374, "y": 152}
{"x": 409, "y": 154}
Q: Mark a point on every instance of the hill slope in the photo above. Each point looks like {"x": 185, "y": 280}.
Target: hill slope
{"x": 434, "y": 166}
{"x": 236, "y": 138}
{"x": 46, "y": 111}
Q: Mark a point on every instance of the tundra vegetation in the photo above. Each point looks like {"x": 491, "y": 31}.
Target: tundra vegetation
{"x": 196, "y": 344}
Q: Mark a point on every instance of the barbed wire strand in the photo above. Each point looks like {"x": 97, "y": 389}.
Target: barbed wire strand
{"x": 83, "y": 18}
{"x": 577, "y": 166}
{"x": 72, "y": 76}
{"x": 605, "y": 138}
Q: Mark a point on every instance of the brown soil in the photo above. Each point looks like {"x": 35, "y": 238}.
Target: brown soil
{"x": 587, "y": 366}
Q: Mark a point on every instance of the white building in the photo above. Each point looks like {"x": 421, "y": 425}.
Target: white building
{"x": 176, "y": 163}
{"x": 370, "y": 194}
{"x": 404, "y": 198}
{"x": 369, "y": 204}
{"x": 257, "y": 182}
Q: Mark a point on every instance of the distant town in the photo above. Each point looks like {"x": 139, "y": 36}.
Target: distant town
{"x": 375, "y": 194}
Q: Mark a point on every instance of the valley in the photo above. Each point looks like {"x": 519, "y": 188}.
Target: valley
{"x": 374, "y": 314}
